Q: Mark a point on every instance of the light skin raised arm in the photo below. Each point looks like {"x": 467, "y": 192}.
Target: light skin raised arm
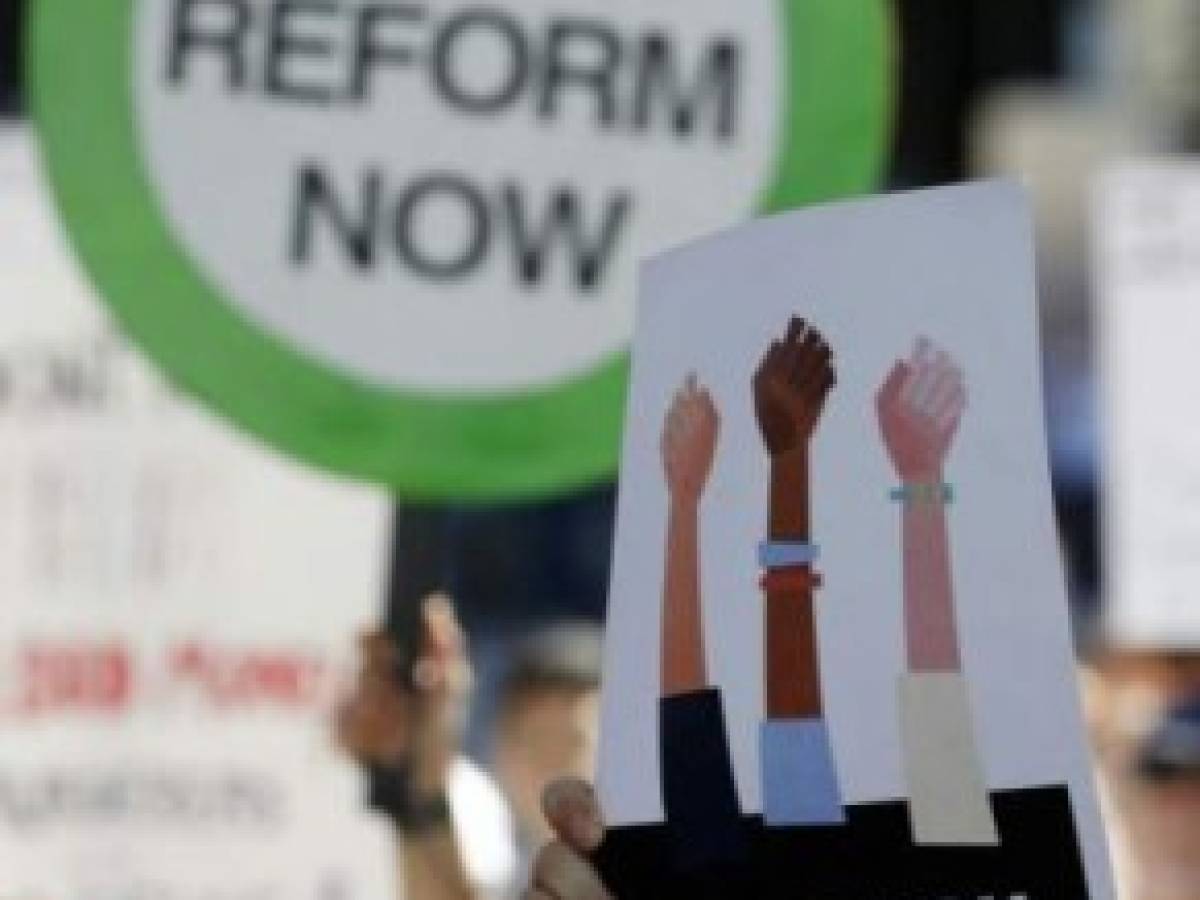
{"x": 563, "y": 870}
{"x": 790, "y": 390}
{"x": 919, "y": 407}
{"x": 689, "y": 442}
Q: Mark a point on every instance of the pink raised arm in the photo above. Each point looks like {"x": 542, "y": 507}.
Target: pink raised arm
{"x": 920, "y": 406}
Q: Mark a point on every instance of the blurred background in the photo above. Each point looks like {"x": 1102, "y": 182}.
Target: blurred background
{"x": 1052, "y": 91}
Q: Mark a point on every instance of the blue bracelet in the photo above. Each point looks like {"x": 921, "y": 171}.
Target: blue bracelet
{"x": 784, "y": 555}
{"x": 923, "y": 493}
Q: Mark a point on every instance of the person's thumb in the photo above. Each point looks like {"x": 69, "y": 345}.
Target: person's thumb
{"x": 571, "y": 808}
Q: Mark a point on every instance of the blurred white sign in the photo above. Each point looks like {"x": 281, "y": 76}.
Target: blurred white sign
{"x": 1148, "y": 274}
{"x": 177, "y": 617}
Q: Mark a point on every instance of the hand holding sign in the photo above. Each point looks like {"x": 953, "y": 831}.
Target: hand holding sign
{"x": 411, "y": 723}
{"x": 562, "y": 869}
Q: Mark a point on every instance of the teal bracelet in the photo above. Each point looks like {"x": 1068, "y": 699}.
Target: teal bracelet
{"x": 923, "y": 493}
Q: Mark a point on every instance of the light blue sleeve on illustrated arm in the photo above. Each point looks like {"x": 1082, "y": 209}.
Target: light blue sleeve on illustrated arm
{"x": 799, "y": 777}
{"x": 784, "y": 554}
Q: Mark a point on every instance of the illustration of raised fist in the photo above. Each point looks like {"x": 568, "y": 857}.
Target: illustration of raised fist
{"x": 920, "y": 406}
{"x": 689, "y": 441}
{"x": 791, "y": 386}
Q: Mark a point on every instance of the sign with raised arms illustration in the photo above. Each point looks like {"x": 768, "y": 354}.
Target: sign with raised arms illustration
{"x": 838, "y": 621}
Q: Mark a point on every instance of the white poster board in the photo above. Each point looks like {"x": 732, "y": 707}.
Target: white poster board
{"x": 1147, "y": 253}
{"x": 178, "y": 609}
{"x": 990, "y": 708}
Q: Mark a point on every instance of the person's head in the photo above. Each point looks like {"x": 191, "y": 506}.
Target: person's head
{"x": 548, "y": 716}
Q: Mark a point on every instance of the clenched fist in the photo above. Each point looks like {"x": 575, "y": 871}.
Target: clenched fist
{"x": 920, "y": 406}
{"x": 790, "y": 388}
{"x": 689, "y": 441}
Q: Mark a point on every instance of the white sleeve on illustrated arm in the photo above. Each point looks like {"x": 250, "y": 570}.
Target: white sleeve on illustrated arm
{"x": 947, "y": 788}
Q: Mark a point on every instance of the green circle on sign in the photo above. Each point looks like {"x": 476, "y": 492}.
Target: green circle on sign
{"x": 424, "y": 446}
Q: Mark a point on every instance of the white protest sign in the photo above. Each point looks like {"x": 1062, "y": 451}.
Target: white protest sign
{"x": 400, "y": 239}
{"x": 1148, "y": 275}
{"x": 838, "y": 660}
{"x": 179, "y": 609}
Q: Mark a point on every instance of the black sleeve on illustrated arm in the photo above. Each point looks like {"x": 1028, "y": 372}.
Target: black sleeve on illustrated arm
{"x": 704, "y": 818}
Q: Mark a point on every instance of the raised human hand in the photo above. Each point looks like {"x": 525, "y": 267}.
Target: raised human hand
{"x": 790, "y": 388}
{"x": 410, "y": 720}
{"x": 689, "y": 441}
{"x": 920, "y": 406}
